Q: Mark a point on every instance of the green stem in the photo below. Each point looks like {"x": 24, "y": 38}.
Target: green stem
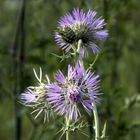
{"x": 79, "y": 45}
{"x": 96, "y": 122}
{"x": 94, "y": 61}
{"x": 67, "y": 127}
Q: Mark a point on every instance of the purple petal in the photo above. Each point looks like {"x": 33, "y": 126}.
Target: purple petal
{"x": 54, "y": 88}
{"x": 79, "y": 70}
{"x": 71, "y": 72}
{"x": 101, "y": 35}
{"x": 60, "y": 77}
{"x": 94, "y": 48}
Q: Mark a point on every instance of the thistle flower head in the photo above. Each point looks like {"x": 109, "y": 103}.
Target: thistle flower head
{"x": 79, "y": 87}
{"x": 77, "y": 26}
{"x": 35, "y": 97}
{"x": 34, "y": 94}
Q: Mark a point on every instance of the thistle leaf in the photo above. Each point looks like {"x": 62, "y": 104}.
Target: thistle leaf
{"x": 36, "y": 75}
{"x": 104, "y": 137}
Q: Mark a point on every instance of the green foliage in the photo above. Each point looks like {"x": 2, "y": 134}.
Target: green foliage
{"x": 118, "y": 64}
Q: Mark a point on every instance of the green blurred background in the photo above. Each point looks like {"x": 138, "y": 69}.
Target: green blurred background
{"x": 26, "y": 41}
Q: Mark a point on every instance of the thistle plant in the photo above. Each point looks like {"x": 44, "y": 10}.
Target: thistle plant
{"x": 68, "y": 94}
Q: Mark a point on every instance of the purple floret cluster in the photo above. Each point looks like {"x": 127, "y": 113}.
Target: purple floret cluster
{"x": 79, "y": 87}
{"x": 79, "y": 25}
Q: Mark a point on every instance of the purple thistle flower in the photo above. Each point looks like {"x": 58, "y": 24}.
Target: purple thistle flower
{"x": 80, "y": 87}
{"x": 34, "y": 94}
{"x": 80, "y": 26}
{"x": 35, "y": 97}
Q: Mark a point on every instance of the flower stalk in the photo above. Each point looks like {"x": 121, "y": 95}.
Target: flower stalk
{"x": 67, "y": 128}
{"x": 79, "y": 45}
{"x": 92, "y": 64}
{"x": 96, "y": 122}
